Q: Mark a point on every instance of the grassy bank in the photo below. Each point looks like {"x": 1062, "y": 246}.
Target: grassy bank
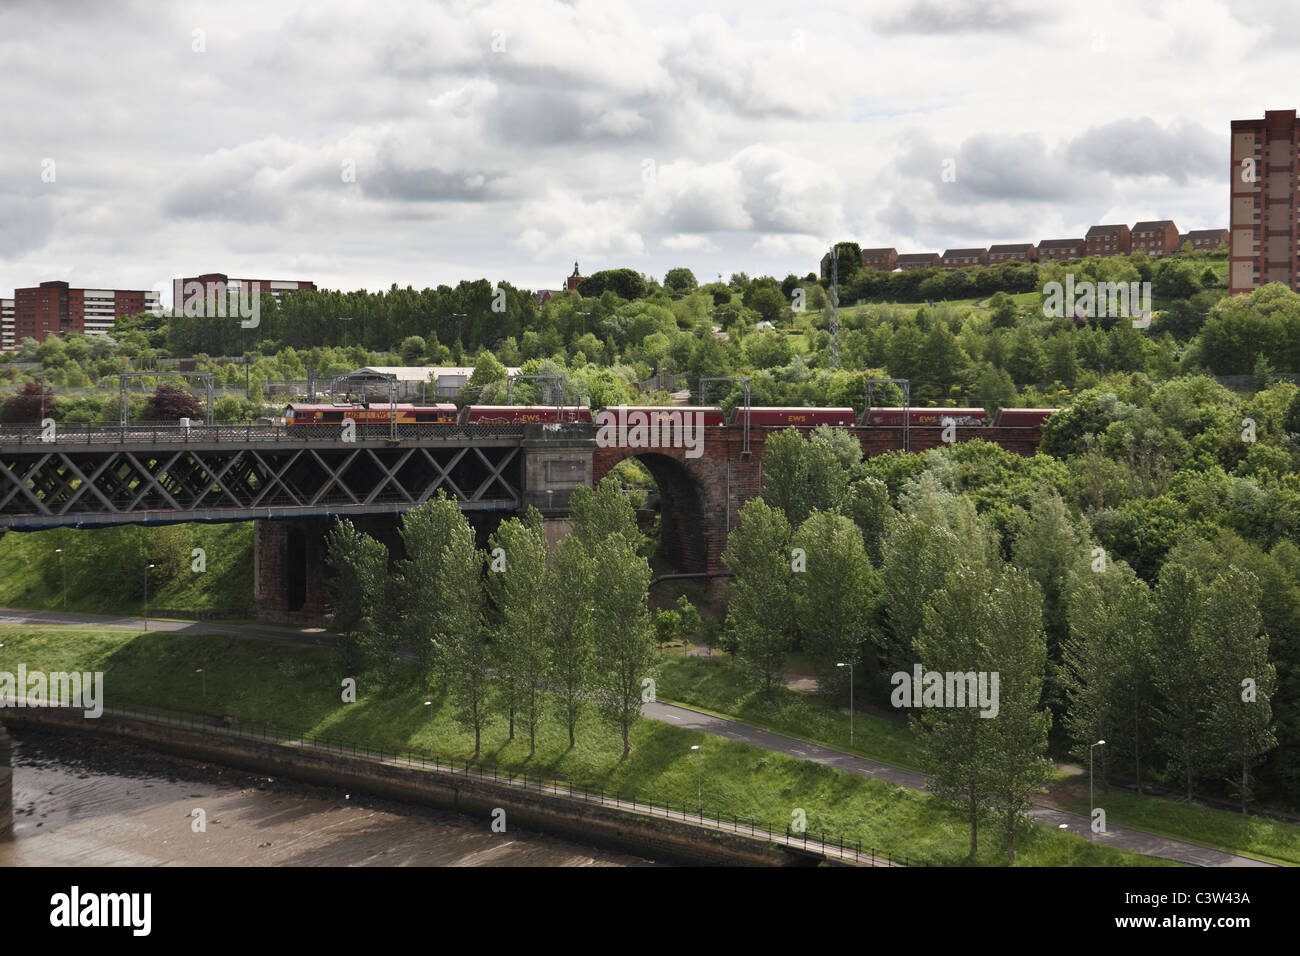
{"x": 105, "y": 568}
{"x": 298, "y": 688}
{"x": 719, "y": 687}
{"x": 1269, "y": 840}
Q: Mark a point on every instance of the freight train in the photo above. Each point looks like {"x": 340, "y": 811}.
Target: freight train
{"x": 713, "y": 415}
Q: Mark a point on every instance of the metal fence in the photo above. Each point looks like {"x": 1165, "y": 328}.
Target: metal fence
{"x": 142, "y": 433}
{"x": 829, "y": 845}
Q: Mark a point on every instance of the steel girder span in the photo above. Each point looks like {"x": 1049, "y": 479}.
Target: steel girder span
{"x": 46, "y": 486}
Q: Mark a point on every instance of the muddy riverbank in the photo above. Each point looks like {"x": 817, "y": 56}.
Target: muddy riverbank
{"x": 85, "y": 802}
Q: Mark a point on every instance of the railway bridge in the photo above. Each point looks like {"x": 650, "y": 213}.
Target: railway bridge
{"x": 290, "y": 481}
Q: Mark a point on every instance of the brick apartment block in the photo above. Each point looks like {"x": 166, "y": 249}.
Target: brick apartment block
{"x": 1264, "y": 195}
{"x": 52, "y": 308}
{"x": 1156, "y": 237}
{"x": 1013, "y": 252}
{"x": 7, "y": 341}
{"x": 1107, "y": 241}
{"x": 215, "y": 284}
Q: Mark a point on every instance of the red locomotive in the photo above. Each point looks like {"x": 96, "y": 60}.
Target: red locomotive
{"x": 372, "y": 414}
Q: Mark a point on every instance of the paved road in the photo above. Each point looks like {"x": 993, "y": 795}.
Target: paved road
{"x": 1125, "y": 838}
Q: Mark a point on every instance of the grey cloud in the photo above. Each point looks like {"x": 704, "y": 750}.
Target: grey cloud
{"x": 970, "y": 16}
{"x": 26, "y": 226}
{"x": 430, "y": 184}
{"x": 1140, "y": 147}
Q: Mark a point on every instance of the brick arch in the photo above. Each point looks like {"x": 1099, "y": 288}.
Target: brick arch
{"x": 683, "y": 534}
{"x": 700, "y": 497}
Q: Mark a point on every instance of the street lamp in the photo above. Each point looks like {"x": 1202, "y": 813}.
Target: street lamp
{"x": 699, "y": 805}
{"x": 1090, "y": 746}
{"x": 429, "y": 703}
{"x": 64, "y": 561}
{"x": 1066, "y": 828}
{"x": 850, "y": 667}
{"x": 146, "y": 596}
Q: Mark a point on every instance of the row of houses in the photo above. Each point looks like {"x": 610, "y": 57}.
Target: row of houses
{"x": 1157, "y": 237}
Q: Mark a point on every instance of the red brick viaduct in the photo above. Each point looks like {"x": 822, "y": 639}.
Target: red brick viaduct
{"x": 700, "y": 501}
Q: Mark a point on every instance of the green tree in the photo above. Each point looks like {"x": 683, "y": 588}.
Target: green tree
{"x": 767, "y": 302}
{"x": 759, "y": 613}
{"x": 1002, "y": 311}
{"x": 517, "y": 582}
{"x": 413, "y": 349}
{"x": 834, "y": 596}
{"x": 1182, "y": 671}
{"x": 800, "y": 476}
{"x": 680, "y": 279}
{"x": 572, "y": 594}
{"x": 1239, "y": 722}
{"x": 1017, "y": 650}
{"x": 602, "y": 512}
{"x": 1026, "y": 362}
{"x": 957, "y": 627}
{"x": 358, "y": 589}
{"x": 360, "y": 592}
{"x": 1108, "y": 662}
{"x": 466, "y": 660}
{"x": 624, "y": 640}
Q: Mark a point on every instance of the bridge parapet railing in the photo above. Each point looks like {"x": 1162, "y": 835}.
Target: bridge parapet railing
{"x": 145, "y": 433}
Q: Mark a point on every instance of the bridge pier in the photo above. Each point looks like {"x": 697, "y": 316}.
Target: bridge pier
{"x": 289, "y": 569}
{"x": 6, "y": 786}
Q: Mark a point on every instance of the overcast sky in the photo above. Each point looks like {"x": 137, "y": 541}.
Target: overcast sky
{"x": 364, "y": 144}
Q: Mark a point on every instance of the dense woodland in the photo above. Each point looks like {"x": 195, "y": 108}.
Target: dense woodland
{"x": 1125, "y": 581}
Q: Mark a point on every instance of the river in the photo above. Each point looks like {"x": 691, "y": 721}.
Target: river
{"x": 79, "y": 801}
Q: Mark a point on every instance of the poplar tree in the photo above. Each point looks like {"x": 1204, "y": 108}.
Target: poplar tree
{"x": 1182, "y": 671}
{"x": 956, "y": 625}
{"x": 519, "y": 592}
{"x": 1017, "y": 648}
{"x": 1239, "y": 723}
{"x": 571, "y": 595}
{"x": 834, "y": 597}
{"x": 624, "y": 635}
{"x": 465, "y": 659}
{"x": 1107, "y": 661}
{"x": 362, "y": 596}
{"x": 760, "y": 612}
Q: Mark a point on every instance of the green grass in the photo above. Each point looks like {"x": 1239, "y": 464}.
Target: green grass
{"x": 1268, "y": 840}
{"x": 297, "y": 688}
{"x": 105, "y": 568}
{"x": 721, "y": 688}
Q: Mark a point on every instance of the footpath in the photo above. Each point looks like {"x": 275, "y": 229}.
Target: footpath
{"x": 1124, "y": 838}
